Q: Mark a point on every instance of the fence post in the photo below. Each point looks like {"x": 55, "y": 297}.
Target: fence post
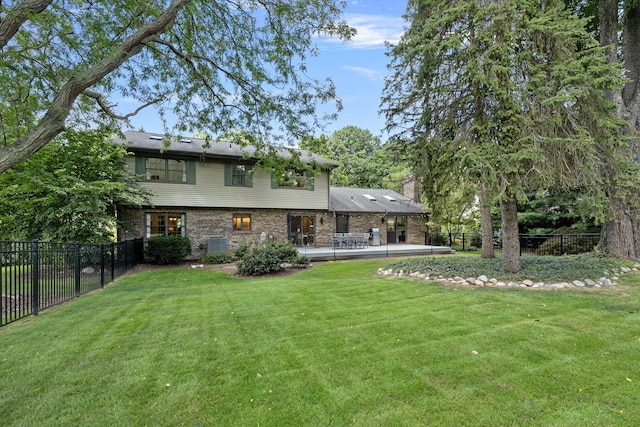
{"x": 463, "y": 236}
{"x": 78, "y": 269}
{"x": 102, "y": 265}
{"x": 561, "y": 245}
{"x": 113, "y": 261}
{"x": 126, "y": 256}
{"x": 35, "y": 277}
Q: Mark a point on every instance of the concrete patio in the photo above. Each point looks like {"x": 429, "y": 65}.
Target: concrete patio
{"x": 383, "y": 251}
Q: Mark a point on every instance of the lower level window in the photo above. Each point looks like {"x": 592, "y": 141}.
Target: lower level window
{"x": 165, "y": 224}
{"x": 242, "y": 222}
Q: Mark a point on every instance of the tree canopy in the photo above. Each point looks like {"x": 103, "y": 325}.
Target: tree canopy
{"x": 361, "y": 157}
{"x": 508, "y": 93}
{"x": 619, "y": 29}
{"x": 216, "y": 64}
{"x": 75, "y": 189}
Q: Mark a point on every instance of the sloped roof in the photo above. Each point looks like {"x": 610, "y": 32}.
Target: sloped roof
{"x": 368, "y": 200}
{"x": 148, "y": 142}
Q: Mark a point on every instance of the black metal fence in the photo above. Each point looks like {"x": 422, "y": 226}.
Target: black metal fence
{"x": 35, "y": 275}
{"x": 530, "y": 244}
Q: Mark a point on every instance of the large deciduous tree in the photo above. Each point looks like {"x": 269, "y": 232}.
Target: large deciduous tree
{"x": 510, "y": 93}
{"x": 359, "y": 155}
{"x": 74, "y": 189}
{"x": 217, "y": 64}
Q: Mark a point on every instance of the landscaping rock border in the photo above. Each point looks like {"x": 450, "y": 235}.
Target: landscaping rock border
{"x": 608, "y": 278}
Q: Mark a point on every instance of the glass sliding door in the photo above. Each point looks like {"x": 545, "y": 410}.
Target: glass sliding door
{"x": 302, "y": 230}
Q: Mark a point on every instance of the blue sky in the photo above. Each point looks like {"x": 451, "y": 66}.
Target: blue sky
{"x": 357, "y": 67}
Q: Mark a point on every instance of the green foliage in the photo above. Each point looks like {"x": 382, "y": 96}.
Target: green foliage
{"x": 561, "y": 245}
{"x": 75, "y": 189}
{"x": 544, "y": 212}
{"x": 301, "y": 261}
{"x": 439, "y": 239}
{"x": 160, "y": 53}
{"x": 362, "y": 160}
{"x": 242, "y": 250}
{"x": 505, "y": 94}
{"x": 590, "y": 265}
{"x": 217, "y": 258}
{"x": 269, "y": 257}
{"x": 168, "y": 249}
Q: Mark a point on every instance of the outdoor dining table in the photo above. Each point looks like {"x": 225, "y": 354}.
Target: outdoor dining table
{"x": 349, "y": 240}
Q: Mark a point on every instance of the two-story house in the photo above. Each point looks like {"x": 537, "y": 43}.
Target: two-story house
{"x": 213, "y": 191}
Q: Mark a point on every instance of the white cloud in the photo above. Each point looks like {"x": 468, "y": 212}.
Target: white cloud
{"x": 370, "y": 74}
{"x": 372, "y": 30}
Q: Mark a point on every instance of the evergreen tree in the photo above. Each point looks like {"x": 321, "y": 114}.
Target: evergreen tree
{"x": 510, "y": 92}
{"x": 621, "y": 233}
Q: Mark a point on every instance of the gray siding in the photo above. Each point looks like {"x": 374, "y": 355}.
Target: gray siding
{"x": 210, "y": 191}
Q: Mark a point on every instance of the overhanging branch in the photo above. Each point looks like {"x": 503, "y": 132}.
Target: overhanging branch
{"x": 108, "y": 109}
{"x": 53, "y": 120}
{"x": 17, "y": 15}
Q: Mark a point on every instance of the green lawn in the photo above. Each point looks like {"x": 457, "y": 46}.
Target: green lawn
{"x": 333, "y": 345}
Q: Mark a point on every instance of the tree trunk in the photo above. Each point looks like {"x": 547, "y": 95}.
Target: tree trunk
{"x": 621, "y": 236}
{"x": 486, "y": 224}
{"x": 510, "y": 235}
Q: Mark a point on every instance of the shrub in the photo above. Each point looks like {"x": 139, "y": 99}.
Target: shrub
{"x": 217, "y": 258}
{"x": 300, "y": 261}
{"x": 467, "y": 248}
{"x": 242, "y": 250}
{"x": 438, "y": 239}
{"x": 168, "y": 249}
{"x": 476, "y": 240}
{"x": 570, "y": 244}
{"x": 268, "y": 257}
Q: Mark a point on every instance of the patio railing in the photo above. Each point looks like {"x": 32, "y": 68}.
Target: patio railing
{"x": 35, "y": 275}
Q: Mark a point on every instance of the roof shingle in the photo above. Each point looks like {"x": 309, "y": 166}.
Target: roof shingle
{"x": 355, "y": 200}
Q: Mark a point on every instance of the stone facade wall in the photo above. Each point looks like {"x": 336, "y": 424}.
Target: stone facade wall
{"x": 416, "y": 229}
{"x": 202, "y": 224}
{"x": 364, "y": 222}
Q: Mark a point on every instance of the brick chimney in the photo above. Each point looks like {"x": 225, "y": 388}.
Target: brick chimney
{"x": 411, "y": 188}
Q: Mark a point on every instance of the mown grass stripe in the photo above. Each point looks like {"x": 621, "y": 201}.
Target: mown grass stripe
{"x": 334, "y": 345}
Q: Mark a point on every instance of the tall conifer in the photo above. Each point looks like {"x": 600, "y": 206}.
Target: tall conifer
{"x": 508, "y": 94}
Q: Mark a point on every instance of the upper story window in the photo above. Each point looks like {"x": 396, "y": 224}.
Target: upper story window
{"x": 165, "y": 170}
{"x": 156, "y": 169}
{"x": 293, "y": 179}
{"x": 238, "y": 175}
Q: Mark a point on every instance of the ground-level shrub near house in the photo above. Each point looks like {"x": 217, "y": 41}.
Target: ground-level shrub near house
{"x": 217, "y": 258}
{"x": 168, "y": 249}
{"x": 242, "y": 250}
{"x": 269, "y": 257}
